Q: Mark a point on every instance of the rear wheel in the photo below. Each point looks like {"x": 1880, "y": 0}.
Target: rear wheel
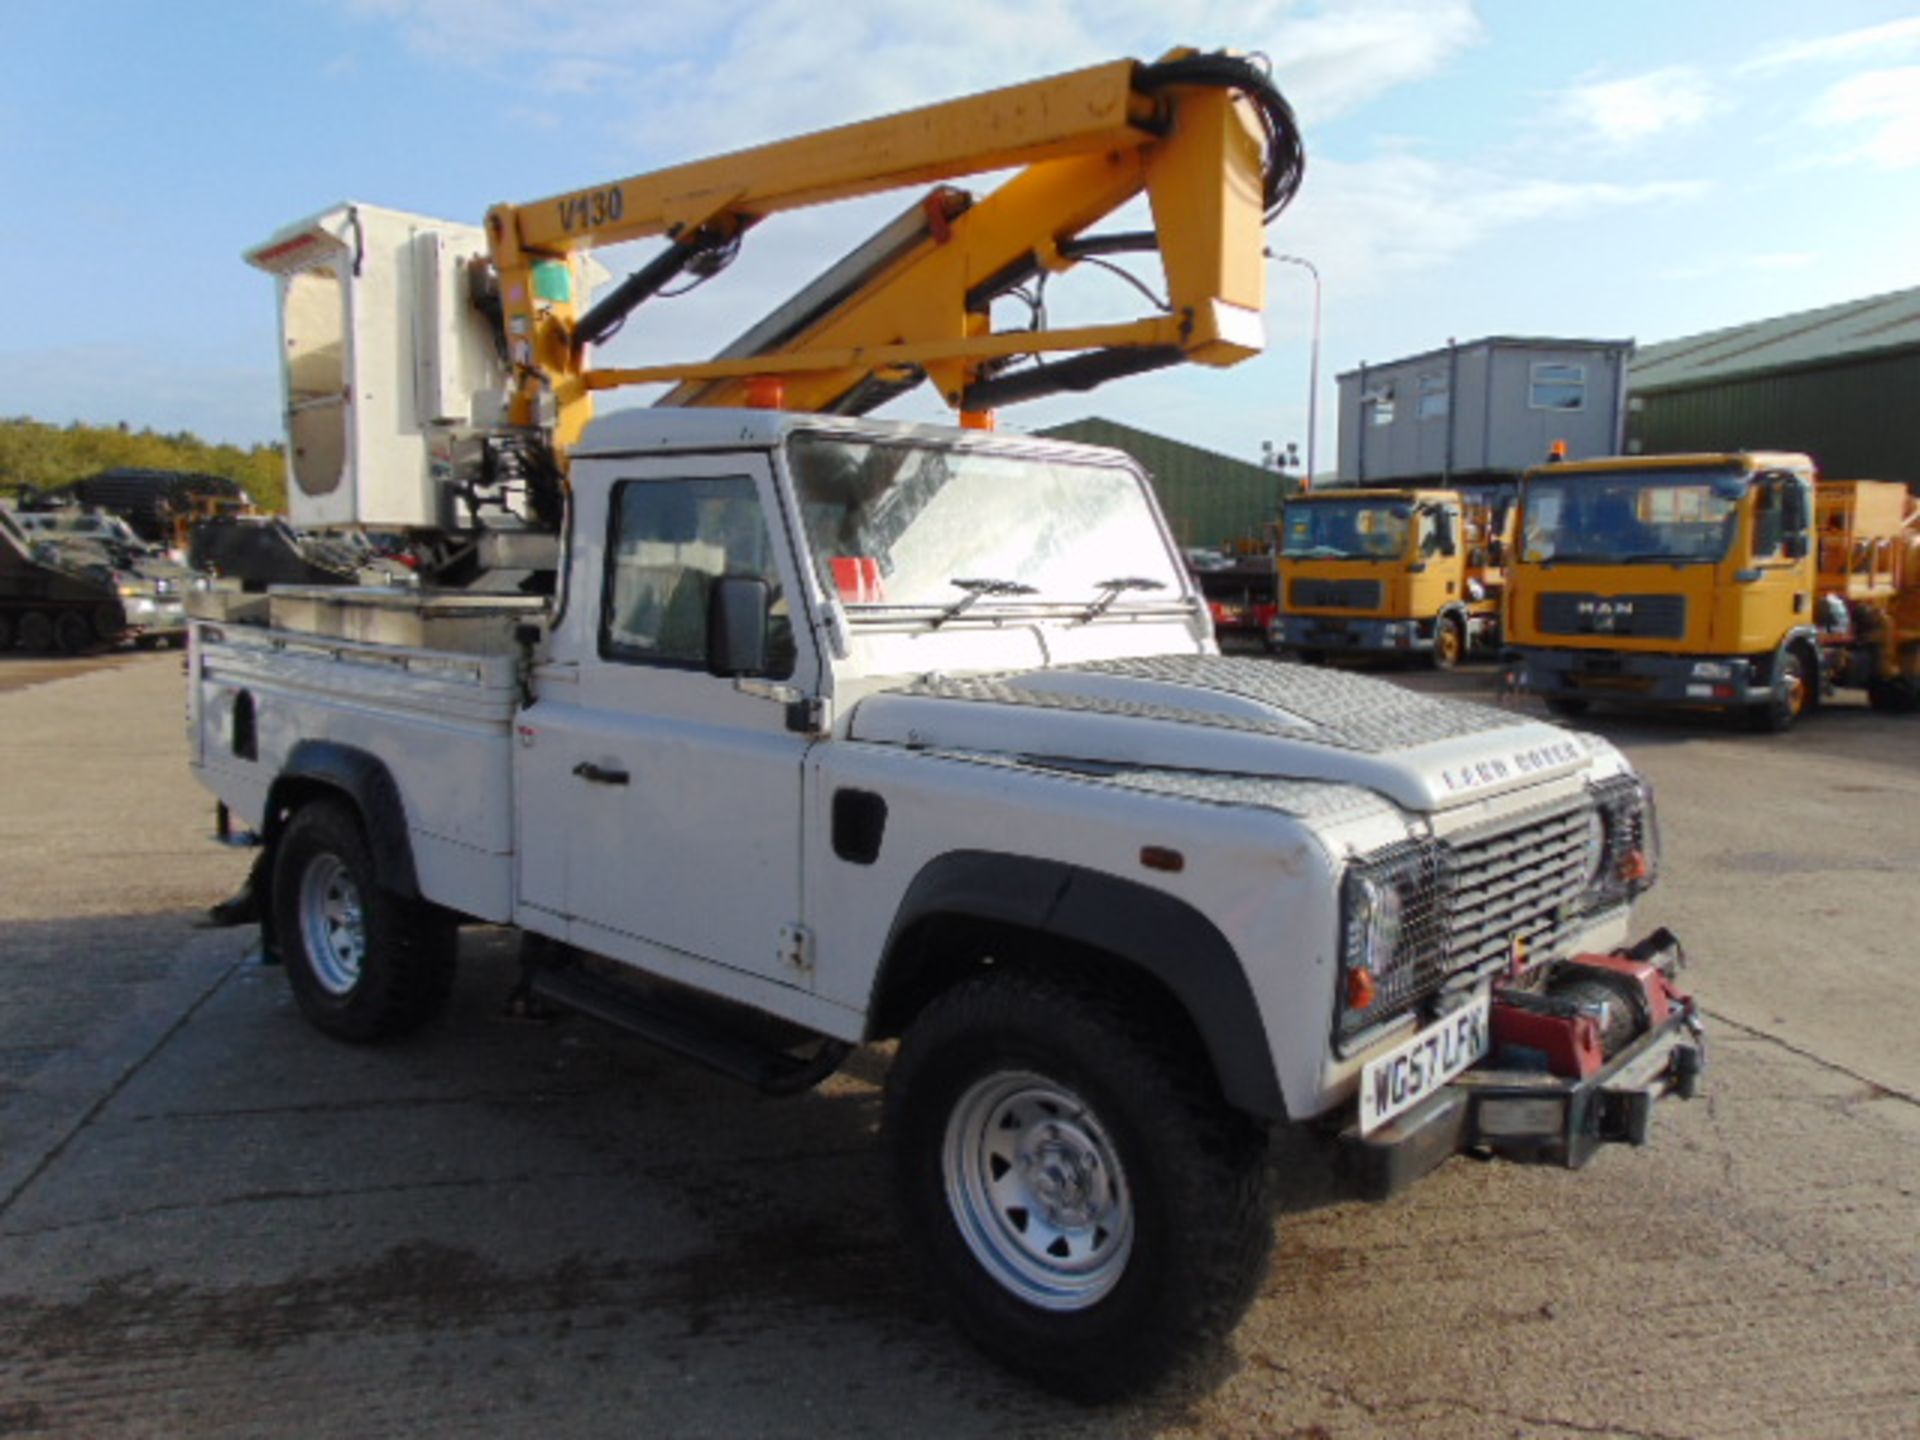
{"x": 71, "y": 632}
{"x": 364, "y": 963}
{"x": 1449, "y": 642}
{"x": 36, "y": 631}
{"x": 1072, "y": 1184}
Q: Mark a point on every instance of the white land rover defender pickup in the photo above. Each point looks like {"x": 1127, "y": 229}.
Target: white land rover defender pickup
{"x": 836, "y": 731}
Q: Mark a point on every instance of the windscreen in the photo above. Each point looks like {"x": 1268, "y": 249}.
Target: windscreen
{"x": 898, "y": 524}
{"x": 1618, "y": 517}
{"x": 1346, "y": 529}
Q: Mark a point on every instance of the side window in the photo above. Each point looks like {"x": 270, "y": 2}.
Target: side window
{"x": 1778, "y": 512}
{"x": 1557, "y": 387}
{"x": 670, "y": 540}
{"x": 1437, "y": 530}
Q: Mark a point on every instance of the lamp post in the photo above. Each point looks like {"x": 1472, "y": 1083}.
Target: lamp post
{"x": 1313, "y": 362}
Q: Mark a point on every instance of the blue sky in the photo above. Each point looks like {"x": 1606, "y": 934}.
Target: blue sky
{"x": 1635, "y": 169}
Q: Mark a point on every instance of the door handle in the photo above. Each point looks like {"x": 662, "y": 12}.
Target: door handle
{"x": 598, "y": 775}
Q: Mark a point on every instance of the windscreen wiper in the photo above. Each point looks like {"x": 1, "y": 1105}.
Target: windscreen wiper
{"x": 975, "y": 589}
{"x": 1112, "y": 590}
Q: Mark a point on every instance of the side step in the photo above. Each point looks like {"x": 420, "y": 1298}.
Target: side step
{"x": 686, "y": 1031}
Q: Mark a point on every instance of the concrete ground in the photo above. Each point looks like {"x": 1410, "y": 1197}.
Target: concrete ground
{"x": 215, "y": 1222}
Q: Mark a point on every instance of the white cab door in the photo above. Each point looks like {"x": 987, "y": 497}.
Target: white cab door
{"x": 674, "y": 794}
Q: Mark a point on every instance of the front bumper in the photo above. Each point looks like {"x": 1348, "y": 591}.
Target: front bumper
{"x": 155, "y": 617}
{"x": 1333, "y": 632}
{"x": 1635, "y": 675}
{"x": 1528, "y": 1115}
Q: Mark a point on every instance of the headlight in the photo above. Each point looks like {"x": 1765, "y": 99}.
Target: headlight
{"x": 1624, "y": 808}
{"x": 1712, "y": 670}
{"x": 1378, "y": 920}
{"x": 1377, "y": 949}
{"x": 127, "y": 592}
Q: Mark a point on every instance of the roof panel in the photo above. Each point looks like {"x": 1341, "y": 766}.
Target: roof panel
{"x": 1807, "y": 337}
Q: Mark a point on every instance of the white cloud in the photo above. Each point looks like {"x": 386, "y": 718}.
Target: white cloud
{"x": 1882, "y": 109}
{"x": 1890, "y": 41}
{"x": 1624, "y": 112}
{"x": 1369, "y": 224}
{"x": 733, "y": 72}
{"x": 1764, "y": 263}
{"x": 577, "y": 75}
{"x": 1346, "y": 55}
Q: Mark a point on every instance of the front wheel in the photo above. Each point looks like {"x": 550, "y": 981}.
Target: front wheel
{"x": 1790, "y": 696}
{"x": 1449, "y": 643}
{"x": 364, "y": 963}
{"x": 1072, "y": 1184}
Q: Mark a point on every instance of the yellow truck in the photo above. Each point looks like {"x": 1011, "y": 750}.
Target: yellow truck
{"x": 1407, "y": 572}
{"x": 1733, "y": 581}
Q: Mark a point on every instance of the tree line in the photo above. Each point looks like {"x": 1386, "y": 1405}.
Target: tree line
{"x": 42, "y": 456}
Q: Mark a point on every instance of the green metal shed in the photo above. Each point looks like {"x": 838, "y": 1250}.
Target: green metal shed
{"x": 1841, "y": 383}
{"x": 1212, "y": 500}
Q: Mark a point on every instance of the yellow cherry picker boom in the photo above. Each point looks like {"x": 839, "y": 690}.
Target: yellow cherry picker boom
{"x": 489, "y": 330}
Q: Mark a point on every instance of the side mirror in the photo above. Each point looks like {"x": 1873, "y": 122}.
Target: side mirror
{"x": 1795, "y": 547}
{"x": 737, "y": 608}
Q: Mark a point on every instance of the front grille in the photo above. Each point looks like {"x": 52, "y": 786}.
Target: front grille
{"x": 1661, "y": 617}
{"x": 1334, "y": 594}
{"x": 1465, "y": 902}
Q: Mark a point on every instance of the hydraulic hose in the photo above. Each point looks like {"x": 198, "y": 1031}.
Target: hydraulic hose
{"x": 1286, "y": 162}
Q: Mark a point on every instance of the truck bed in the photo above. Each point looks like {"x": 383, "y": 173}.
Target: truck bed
{"x": 439, "y": 720}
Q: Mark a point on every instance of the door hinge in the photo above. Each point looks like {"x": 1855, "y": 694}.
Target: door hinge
{"x": 796, "y": 948}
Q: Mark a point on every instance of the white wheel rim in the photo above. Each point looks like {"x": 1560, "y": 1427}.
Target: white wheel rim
{"x": 1036, "y": 1188}
{"x": 333, "y": 923}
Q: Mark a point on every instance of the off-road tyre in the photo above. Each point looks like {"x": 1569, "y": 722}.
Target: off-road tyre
{"x": 36, "y": 632}
{"x": 1792, "y": 693}
{"x": 1187, "y": 1168}
{"x": 72, "y": 634}
{"x": 405, "y": 949}
{"x": 1449, "y": 643}
{"x": 1568, "y": 707}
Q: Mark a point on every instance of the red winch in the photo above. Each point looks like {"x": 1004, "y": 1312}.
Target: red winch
{"x": 1590, "y": 1008}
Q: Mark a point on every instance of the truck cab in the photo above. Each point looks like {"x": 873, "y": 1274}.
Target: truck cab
{"x": 1409, "y": 572}
{"x": 1679, "y": 579}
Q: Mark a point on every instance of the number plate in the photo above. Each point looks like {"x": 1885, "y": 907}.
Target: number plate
{"x": 1417, "y": 1067}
